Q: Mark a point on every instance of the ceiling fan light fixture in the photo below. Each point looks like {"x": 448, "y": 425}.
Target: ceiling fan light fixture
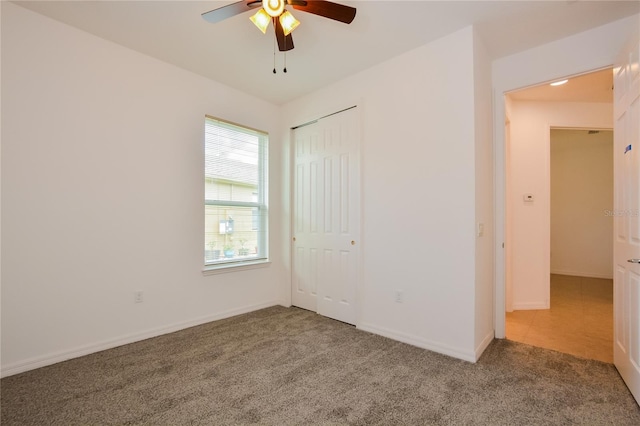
{"x": 288, "y": 22}
{"x": 261, "y": 20}
{"x": 273, "y": 7}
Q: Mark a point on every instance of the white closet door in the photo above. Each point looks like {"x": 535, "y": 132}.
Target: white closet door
{"x": 326, "y": 222}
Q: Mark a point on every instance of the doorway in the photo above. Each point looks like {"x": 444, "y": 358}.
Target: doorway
{"x": 580, "y": 318}
{"x": 545, "y": 285}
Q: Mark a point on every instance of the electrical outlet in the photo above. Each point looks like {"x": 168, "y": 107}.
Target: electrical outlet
{"x": 399, "y": 296}
{"x": 138, "y": 297}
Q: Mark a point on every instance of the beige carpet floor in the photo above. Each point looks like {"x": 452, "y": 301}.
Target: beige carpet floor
{"x": 288, "y": 366}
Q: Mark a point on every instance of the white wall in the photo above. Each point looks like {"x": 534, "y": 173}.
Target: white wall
{"x": 0, "y": 180}
{"x": 590, "y": 50}
{"x": 531, "y": 123}
{"x": 418, "y": 174}
{"x": 484, "y": 201}
{"x": 581, "y": 196}
{"x": 102, "y": 195}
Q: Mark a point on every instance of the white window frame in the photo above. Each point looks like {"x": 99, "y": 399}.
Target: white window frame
{"x": 261, "y": 258}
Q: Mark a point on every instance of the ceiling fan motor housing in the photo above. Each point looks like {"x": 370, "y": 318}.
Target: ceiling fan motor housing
{"x": 273, "y": 7}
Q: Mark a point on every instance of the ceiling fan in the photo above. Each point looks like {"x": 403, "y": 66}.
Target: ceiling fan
{"x": 283, "y": 21}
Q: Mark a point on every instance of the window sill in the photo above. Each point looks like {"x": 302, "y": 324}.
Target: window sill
{"x": 234, "y": 267}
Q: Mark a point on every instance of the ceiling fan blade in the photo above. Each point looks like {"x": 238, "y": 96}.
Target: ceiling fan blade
{"x": 285, "y": 43}
{"x": 233, "y": 9}
{"x": 335, "y": 11}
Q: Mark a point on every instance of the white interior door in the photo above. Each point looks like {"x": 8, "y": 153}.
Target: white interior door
{"x": 626, "y": 252}
{"x": 326, "y": 206}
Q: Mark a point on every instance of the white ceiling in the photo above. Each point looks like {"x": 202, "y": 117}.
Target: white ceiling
{"x": 592, "y": 87}
{"x": 237, "y": 54}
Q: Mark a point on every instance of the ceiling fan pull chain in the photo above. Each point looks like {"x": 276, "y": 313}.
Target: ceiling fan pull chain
{"x": 285, "y": 55}
{"x": 274, "y": 55}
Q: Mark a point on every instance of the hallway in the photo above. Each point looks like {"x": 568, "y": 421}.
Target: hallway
{"x": 580, "y": 321}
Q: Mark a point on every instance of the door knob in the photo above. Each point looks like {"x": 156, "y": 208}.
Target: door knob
{"x": 633, "y": 260}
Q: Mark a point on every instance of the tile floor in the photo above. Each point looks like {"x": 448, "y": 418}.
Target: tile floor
{"x": 580, "y": 321}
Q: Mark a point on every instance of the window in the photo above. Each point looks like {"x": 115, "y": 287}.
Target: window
{"x": 235, "y": 194}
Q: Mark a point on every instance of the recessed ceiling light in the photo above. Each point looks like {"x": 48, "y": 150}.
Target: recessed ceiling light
{"x": 559, "y": 83}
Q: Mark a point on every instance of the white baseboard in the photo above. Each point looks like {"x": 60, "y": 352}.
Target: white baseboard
{"x": 419, "y": 342}
{"x": 484, "y": 344}
{"x": 529, "y": 306}
{"x": 49, "y": 359}
{"x": 581, "y": 274}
